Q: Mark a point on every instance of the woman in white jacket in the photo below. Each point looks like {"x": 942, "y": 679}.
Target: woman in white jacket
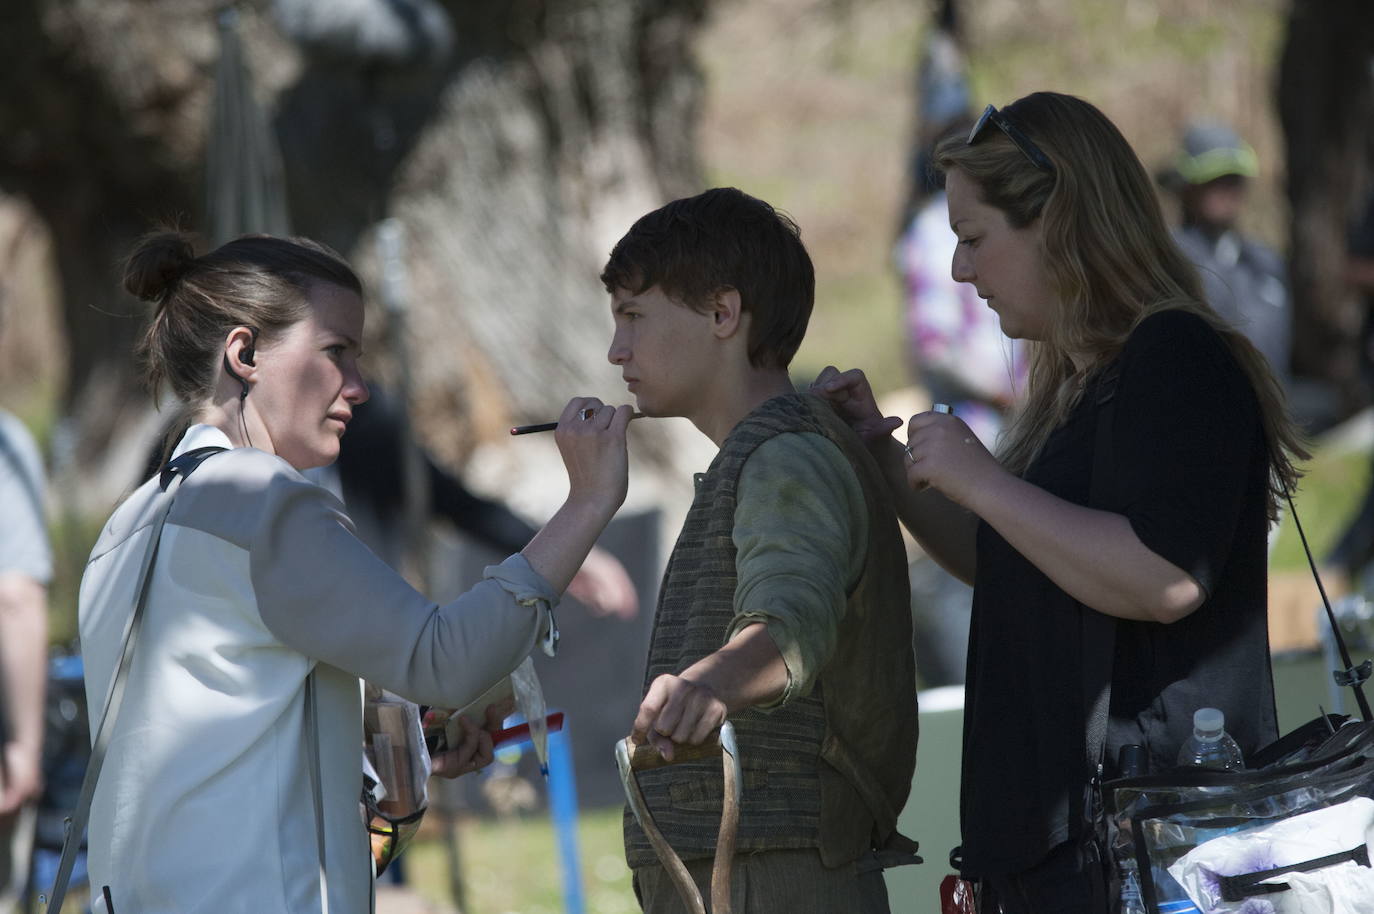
{"x": 207, "y": 799}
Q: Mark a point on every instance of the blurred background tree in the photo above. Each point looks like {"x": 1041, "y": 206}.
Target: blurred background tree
{"x": 1325, "y": 98}
{"x": 514, "y": 140}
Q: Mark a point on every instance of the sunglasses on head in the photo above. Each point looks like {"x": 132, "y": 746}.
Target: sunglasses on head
{"x": 1028, "y": 149}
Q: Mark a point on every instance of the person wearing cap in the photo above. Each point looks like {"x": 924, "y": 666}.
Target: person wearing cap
{"x": 1244, "y": 279}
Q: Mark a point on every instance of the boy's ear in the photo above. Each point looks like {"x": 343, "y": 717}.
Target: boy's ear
{"x": 726, "y": 312}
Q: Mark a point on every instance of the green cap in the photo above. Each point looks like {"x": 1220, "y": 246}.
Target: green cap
{"x": 1212, "y": 150}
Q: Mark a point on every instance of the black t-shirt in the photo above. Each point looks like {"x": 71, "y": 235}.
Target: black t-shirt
{"x": 1189, "y": 471}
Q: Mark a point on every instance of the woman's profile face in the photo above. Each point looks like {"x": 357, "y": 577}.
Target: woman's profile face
{"x": 308, "y": 379}
{"x": 1004, "y": 264}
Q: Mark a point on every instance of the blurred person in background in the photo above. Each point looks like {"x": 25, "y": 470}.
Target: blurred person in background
{"x": 233, "y": 773}
{"x": 1244, "y": 279}
{"x": 25, "y": 571}
{"x": 958, "y": 352}
{"x": 1148, "y": 579}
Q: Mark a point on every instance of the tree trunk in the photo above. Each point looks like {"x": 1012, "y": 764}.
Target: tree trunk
{"x": 512, "y": 164}
{"x": 1326, "y": 106}
{"x": 91, "y": 139}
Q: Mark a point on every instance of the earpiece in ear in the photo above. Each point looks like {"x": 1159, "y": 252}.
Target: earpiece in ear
{"x": 246, "y": 356}
{"x": 229, "y": 370}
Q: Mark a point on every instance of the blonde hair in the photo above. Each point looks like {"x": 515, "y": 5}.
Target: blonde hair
{"x": 1109, "y": 257}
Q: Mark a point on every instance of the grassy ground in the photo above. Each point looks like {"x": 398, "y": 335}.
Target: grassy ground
{"x": 513, "y": 866}
{"x": 1325, "y": 502}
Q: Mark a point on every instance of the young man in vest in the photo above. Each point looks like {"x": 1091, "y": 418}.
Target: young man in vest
{"x": 784, "y": 606}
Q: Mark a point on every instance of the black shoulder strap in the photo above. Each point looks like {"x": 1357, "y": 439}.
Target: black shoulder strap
{"x": 177, "y": 469}
{"x": 1099, "y": 629}
{"x": 186, "y": 464}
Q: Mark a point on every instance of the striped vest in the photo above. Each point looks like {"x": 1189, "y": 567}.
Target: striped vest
{"x": 831, "y": 770}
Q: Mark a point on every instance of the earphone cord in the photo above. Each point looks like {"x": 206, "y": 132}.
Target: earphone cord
{"x": 243, "y": 423}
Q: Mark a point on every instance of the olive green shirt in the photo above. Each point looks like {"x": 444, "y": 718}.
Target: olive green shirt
{"x": 801, "y": 535}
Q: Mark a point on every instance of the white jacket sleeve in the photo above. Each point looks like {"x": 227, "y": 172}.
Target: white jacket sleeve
{"x": 324, "y": 593}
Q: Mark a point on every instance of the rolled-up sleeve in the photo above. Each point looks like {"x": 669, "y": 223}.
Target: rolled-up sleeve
{"x": 322, "y": 592}
{"x": 800, "y": 536}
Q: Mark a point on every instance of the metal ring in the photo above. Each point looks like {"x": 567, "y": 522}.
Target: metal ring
{"x": 942, "y": 408}
{"x": 586, "y": 413}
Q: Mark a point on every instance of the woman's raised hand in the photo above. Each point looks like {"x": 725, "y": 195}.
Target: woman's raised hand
{"x": 591, "y": 439}
{"x": 943, "y": 453}
{"x": 851, "y": 397}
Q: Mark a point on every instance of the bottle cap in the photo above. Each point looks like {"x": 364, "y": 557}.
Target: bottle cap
{"x": 1209, "y": 720}
{"x": 1132, "y": 761}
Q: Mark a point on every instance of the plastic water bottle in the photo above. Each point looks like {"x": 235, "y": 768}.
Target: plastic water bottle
{"x": 1210, "y": 746}
{"x": 1131, "y": 900}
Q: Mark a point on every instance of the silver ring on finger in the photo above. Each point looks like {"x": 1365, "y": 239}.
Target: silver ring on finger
{"x": 586, "y": 413}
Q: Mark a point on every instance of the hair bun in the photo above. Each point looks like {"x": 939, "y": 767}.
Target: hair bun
{"x": 157, "y": 264}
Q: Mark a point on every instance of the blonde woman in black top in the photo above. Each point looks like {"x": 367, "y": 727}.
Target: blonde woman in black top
{"x": 1060, "y": 231}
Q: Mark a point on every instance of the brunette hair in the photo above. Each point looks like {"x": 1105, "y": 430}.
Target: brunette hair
{"x": 724, "y": 239}
{"x": 255, "y": 281}
{"x": 1109, "y": 257}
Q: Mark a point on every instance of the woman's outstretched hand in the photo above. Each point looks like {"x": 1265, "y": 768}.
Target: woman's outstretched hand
{"x": 604, "y": 586}
{"x": 852, "y": 398}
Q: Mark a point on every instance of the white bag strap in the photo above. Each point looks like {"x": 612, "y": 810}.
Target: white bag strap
{"x": 312, "y": 741}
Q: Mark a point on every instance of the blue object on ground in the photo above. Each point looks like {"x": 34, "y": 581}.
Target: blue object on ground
{"x": 562, "y": 785}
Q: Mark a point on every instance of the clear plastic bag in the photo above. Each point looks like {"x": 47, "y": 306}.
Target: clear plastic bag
{"x": 1160, "y": 818}
{"x": 396, "y": 772}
